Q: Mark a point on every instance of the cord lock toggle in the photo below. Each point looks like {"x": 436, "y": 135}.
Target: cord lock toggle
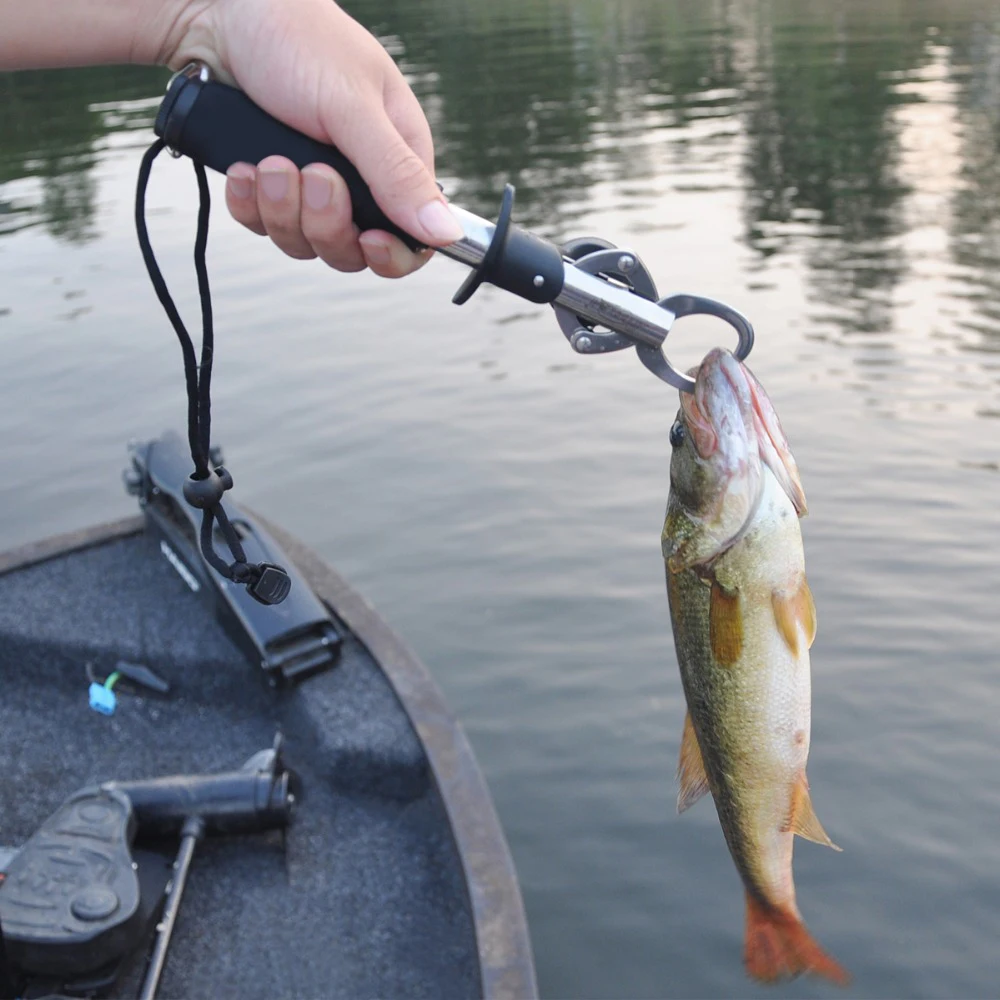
{"x": 207, "y": 492}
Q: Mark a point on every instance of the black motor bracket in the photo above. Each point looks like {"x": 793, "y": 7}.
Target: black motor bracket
{"x": 291, "y": 642}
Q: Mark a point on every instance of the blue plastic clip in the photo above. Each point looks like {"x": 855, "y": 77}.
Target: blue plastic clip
{"x": 102, "y": 696}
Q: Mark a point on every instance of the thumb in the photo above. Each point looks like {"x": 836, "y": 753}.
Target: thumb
{"x": 400, "y": 180}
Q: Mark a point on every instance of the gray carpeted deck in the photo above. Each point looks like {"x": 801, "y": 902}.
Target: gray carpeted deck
{"x": 365, "y": 897}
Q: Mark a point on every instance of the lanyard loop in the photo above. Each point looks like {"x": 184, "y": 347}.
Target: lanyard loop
{"x": 205, "y": 487}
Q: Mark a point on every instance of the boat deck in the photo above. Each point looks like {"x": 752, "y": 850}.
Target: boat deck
{"x": 364, "y": 895}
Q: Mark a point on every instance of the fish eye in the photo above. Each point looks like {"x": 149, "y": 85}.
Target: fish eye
{"x": 677, "y": 434}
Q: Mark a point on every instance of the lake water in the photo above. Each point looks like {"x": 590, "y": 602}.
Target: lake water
{"x": 830, "y": 169}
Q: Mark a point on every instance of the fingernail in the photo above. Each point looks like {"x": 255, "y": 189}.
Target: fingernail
{"x": 438, "y": 222}
{"x": 316, "y": 190}
{"x": 239, "y": 187}
{"x": 274, "y": 184}
{"x": 376, "y": 252}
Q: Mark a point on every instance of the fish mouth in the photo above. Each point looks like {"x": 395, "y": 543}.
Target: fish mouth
{"x": 733, "y": 422}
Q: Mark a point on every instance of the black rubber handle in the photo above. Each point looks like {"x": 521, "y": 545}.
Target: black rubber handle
{"x": 218, "y": 126}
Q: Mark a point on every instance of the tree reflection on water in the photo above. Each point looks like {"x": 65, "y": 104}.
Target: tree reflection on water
{"x": 560, "y": 96}
{"x": 52, "y": 125}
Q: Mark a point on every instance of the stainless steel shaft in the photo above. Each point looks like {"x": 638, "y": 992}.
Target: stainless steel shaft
{"x": 592, "y": 298}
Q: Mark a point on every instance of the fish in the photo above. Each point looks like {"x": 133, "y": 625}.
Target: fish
{"x": 743, "y": 621}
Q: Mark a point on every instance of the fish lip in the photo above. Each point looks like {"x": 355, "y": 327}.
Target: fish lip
{"x": 707, "y": 427}
{"x": 766, "y": 442}
{"x": 703, "y": 433}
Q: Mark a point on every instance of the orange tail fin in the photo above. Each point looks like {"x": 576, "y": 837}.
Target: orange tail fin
{"x": 778, "y": 946}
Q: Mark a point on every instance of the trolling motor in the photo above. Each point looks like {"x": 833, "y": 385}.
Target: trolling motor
{"x": 79, "y": 900}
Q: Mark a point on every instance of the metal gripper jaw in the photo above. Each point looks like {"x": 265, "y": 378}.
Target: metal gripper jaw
{"x": 623, "y": 268}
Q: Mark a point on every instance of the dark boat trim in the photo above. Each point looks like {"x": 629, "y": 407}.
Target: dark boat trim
{"x": 505, "y": 956}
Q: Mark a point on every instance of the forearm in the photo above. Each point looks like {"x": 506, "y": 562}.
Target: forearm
{"x": 35, "y": 34}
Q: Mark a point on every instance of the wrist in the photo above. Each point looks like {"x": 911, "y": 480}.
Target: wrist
{"x": 173, "y": 33}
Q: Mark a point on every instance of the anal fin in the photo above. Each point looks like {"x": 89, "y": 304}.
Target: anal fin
{"x": 802, "y": 818}
{"x": 690, "y": 769}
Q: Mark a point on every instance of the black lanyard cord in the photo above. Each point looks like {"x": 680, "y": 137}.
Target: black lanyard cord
{"x": 208, "y": 328}
{"x": 205, "y": 487}
{"x": 160, "y": 287}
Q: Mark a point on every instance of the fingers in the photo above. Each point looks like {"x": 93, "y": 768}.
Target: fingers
{"x": 390, "y": 257}
{"x": 309, "y": 214}
{"x": 398, "y": 177}
{"x": 279, "y": 201}
{"x": 326, "y": 218}
{"x": 407, "y": 117}
{"x": 241, "y": 197}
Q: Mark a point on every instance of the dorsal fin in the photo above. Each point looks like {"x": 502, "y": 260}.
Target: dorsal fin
{"x": 690, "y": 769}
{"x": 802, "y": 818}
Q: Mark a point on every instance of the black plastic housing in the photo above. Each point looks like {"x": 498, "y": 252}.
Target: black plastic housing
{"x": 70, "y": 900}
{"x": 290, "y": 641}
{"x": 516, "y": 261}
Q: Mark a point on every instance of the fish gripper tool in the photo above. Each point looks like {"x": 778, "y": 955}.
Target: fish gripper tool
{"x": 604, "y": 297}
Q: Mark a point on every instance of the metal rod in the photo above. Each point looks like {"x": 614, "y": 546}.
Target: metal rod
{"x": 592, "y": 298}
{"x": 191, "y": 833}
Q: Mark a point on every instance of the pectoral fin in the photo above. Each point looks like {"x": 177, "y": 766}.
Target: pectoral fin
{"x": 725, "y": 625}
{"x": 690, "y": 769}
{"x": 801, "y": 817}
{"x": 794, "y": 611}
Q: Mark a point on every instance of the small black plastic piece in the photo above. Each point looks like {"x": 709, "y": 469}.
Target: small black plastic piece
{"x": 207, "y": 492}
{"x": 272, "y": 586}
{"x": 488, "y": 264}
{"x": 516, "y": 261}
{"x": 218, "y": 126}
{"x": 525, "y": 259}
{"x": 139, "y": 673}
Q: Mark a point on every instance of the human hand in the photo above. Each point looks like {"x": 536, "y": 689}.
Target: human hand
{"x": 311, "y": 65}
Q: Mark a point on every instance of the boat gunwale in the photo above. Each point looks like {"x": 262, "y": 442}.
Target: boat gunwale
{"x": 506, "y": 962}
